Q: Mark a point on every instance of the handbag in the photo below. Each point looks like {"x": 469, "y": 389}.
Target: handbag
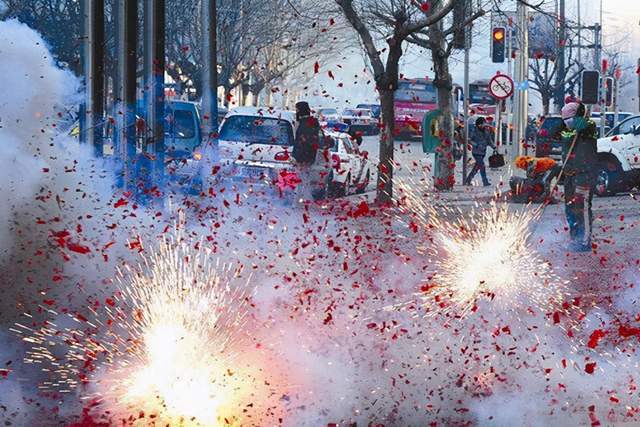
{"x": 496, "y": 160}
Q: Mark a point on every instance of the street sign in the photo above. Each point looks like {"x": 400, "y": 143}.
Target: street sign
{"x": 501, "y": 86}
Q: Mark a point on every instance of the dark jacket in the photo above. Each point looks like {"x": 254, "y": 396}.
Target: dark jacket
{"x": 307, "y": 140}
{"x": 480, "y": 140}
{"x": 584, "y": 157}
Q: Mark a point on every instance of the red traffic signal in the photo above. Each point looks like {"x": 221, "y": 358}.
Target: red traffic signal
{"x": 499, "y": 34}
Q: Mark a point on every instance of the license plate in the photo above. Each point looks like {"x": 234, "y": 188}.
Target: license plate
{"x": 253, "y": 173}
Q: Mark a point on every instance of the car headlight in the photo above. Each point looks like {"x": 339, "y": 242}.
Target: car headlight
{"x": 197, "y": 155}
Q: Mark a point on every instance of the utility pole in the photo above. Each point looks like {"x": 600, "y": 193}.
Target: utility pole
{"x": 468, "y": 11}
{"x": 561, "y": 73}
{"x": 522, "y": 79}
{"x": 210, "y": 74}
{"x": 600, "y": 66}
{"x": 579, "y": 39}
{"x": 465, "y": 155}
{"x": 92, "y": 107}
{"x": 127, "y": 25}
{"x": 509, "y": 101}
{"x": 154, "y": 50}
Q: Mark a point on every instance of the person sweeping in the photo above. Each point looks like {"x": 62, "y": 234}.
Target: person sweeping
{"x": 580, "y": 150}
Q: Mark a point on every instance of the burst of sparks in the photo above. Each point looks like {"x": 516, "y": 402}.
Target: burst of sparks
{"x": 487, "y": 253}
{"x": 164, "y": 343}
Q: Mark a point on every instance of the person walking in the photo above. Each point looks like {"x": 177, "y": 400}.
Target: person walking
{"x": 481, "y": 138}
{"x": 580, "y": 150}
{"x": 305, "y": 147}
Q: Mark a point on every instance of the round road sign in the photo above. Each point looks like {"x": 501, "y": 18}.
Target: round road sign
{"x": 501, "y": 86}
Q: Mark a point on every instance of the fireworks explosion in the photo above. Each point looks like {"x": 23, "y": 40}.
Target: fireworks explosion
{"x": 484, "y": 254}
{"x": 165, "y": 343}
{"x": 487, "y": 254}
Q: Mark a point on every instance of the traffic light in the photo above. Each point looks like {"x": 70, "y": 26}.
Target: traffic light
{"x": 590, "y": 84}
{"x": 609, "y": 85}
{"x": 498, "y": 40}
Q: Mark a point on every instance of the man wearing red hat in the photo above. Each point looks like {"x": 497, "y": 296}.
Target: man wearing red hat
{"x": 581, "y": 154}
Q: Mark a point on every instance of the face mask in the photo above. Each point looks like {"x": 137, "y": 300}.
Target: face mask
{"x": 569, "y": 122}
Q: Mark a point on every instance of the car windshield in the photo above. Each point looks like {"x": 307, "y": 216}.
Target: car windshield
{"x": 257, "y": 130}
{"x": 180, "y": 124}
{"x": 415, "y": 92}
{"x": 359, "y": 113}
{"x": 375, "y": 109}
{"x": 626, "y": 127}
{"x": 479, "y": 94}
{"x": 551, "y": 127}
{"x": 327, "y": 111}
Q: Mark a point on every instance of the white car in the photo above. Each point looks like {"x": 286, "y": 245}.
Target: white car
{"x": 619, "y": 158}
{"x": 352, "y": 169}
{"x": 360, "y": 120}
{"x": 327, "y": 115}
{"x": 255, "y": 147}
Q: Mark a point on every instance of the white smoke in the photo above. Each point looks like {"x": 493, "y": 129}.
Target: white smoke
{"x": 344, "y": 357}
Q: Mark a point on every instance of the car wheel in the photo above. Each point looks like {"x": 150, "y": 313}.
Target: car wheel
{"x": 337, "y": 189}
{"x": 334, "y": 189}
{"x": 362, "y": 186}
{"x": 609, "y": 178}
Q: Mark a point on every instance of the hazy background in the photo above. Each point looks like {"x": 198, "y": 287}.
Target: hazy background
{"x": 621, "y": 23}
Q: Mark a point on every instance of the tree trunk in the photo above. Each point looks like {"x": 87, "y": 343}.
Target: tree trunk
{"x": 546, "y": 99}
{"x": 385, "y": 167}
{"x": 245, "y": 93}
{"x": 444, "y": 84}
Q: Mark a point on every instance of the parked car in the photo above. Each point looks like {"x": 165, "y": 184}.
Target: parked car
{"x": 330, "y": 120}
{"x": 360, "y": 121}
{"x": 624, "y": 125}
{"x": 254, "y": 148}
{"x": 610, "y": 117}
{"x": 375, "y": 109}
{"x": 352, "y": 169}
{"x": 182, "y": 129}
{"x": 548, "y": 140}
{"x": 327, "y": 115}
{"x": 619, "y": 158}
{"x": 376, "y": 113}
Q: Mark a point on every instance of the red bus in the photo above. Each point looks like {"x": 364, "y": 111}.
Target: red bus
{"x": 413, "y": 98}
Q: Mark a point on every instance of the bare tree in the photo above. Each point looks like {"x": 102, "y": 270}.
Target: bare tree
{"x": 390, "y": 22}
{"x": 543, "y": 79}
{"x": 59, "y": 23}
{"x": 438, "y": 39}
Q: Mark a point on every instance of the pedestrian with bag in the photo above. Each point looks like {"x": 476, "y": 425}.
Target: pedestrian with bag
{"x": 481, "y": 138}
{"x": 580, "y": 150}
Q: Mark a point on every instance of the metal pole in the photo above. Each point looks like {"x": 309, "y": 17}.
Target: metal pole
{"x": 466, "y": 112}
{"x": 127, "y": 24}
{"x": 602, "y": 78}
{"x": 154, "y": 13}
{"x": 522, "y": 75}
{"x": 210, "y": 73}
{"x": 579, "y": 41}
{"x": 498, "y": 135}
{"x": 524, "y": 98}
{"x": 508, "y": 101}
{"x": 560, "y": 75}
{"x": 92, "y": 108}
{"x": 616, "y": 104}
